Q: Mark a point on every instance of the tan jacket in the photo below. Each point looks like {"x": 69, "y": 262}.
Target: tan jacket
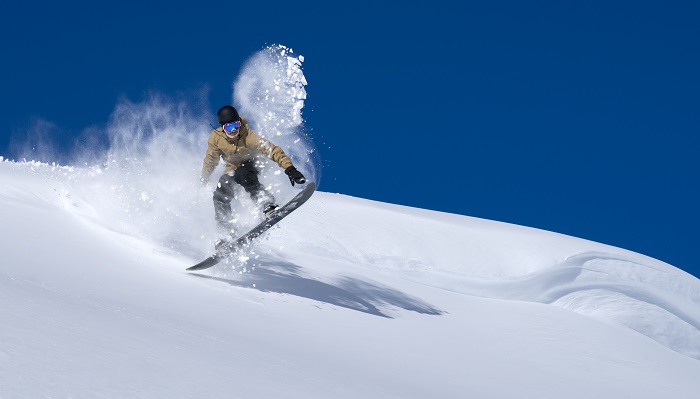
{"x": 234, "y": 151}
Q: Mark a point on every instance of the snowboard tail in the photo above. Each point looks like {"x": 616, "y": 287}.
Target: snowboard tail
{"x": 258, "y": 230}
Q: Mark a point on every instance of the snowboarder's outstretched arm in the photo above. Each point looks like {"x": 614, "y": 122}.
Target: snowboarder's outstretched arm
{"x": 270, "y": 150}
{"x": 276, "y": 154}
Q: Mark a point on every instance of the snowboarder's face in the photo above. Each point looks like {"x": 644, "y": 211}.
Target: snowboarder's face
{"x": 231, "y": 129}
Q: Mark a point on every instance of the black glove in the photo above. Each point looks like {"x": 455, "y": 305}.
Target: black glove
{"x": 294, "y": 175}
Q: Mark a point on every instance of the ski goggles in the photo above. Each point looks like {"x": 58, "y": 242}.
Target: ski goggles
{"x": 231, "y": 127}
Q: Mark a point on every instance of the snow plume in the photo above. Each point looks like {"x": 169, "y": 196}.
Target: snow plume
{"x": 153, "y": 168}
{"x": 138, "y": 175}
{"x": 142, "y": 179}
{"x": 37, "y": 142}
{"x": 270, "y": 93}
{"x": 47, "y": 142}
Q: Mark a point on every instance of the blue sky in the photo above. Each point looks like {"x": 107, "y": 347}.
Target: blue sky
{"x": 575, "y": 117}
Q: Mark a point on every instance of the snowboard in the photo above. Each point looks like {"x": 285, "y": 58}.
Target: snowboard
{"x": 258, "y": 230}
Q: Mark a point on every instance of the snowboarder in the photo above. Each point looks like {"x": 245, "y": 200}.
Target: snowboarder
{"x": 238, "y": 145}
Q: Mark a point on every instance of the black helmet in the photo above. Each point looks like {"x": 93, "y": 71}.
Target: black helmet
{"x": 227, "y": 114}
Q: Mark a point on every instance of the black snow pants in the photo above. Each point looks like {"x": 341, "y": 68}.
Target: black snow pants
{"x": 247, "y": 176}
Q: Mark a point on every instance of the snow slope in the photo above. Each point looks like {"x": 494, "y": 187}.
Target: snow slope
{"x": 346, "y": 298}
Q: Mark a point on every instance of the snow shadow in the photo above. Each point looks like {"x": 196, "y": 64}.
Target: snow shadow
{"x": 346, "y": 292}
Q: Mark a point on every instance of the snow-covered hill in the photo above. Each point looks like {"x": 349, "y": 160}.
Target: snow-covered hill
{"x": 346, "y": 298}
